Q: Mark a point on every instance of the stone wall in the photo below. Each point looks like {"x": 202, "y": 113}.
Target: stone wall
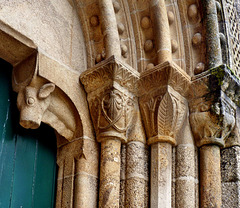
{"x": 140, "y": 93}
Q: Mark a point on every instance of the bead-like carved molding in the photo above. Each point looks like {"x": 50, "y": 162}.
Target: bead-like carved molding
{"x": 162, "y": 103}
{"x": 213, "y": 101}
{"x": 111, "y": 87}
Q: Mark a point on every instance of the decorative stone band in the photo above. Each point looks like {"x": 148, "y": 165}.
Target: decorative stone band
{"x": 162, "y": 103}
{"x": 213, "y": 100}
{"x": 111, "y": 88}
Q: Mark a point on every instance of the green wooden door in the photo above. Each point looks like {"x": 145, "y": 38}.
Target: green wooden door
{"x": 27, "y": 157}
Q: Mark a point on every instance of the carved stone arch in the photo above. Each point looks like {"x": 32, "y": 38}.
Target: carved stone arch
{"x": 37, "y": 74}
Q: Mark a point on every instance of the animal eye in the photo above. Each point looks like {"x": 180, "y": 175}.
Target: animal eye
{"x": 30, "y": 101}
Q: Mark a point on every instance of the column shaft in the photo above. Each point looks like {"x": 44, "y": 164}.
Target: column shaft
{"x": 110, "y": 173}
{"x": 214, "y": 54}
{"x": 161, "y": 175}
{"x": 210, "y": 176}
{"x": 110, "y": 31}
{"x": 162, "y": 32}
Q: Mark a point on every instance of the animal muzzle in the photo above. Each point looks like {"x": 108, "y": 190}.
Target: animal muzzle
{"x": 29, "y": 121}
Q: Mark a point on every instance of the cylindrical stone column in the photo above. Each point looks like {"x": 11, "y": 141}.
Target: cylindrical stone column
{"x": 110, "y": 31}
{"x": 161, "y": 175}
{"x": 136, "y": 175}
{"x": 123, "y": 176}
{"x": 210, "y": 177}
{"x": 86, "y": 176}
{"x": 162, "y": 31}
{"x": 214, "y": 55}
{"x": 186, "y": 176}
{"x": 110, "y": 173}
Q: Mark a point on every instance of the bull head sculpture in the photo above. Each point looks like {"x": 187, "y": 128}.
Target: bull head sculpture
{"x": 32, "y": 102}
{"x": 40, "y": 100}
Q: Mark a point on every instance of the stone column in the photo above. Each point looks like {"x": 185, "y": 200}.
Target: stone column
{"x": 111, "y": 88}
{"x": 162, "y": 32}
{"x": 210, "y": 176}
{"x": 230, "y": 167}
{"x": 137, "y": 175}
{"x": 214, "y": 54}
{"x": 212, "y": 119}
{"x": 163, "y": 107}
{"x": 110, "y": 30}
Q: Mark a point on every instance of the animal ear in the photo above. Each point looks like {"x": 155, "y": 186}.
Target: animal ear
{"x": 46, "y": 90}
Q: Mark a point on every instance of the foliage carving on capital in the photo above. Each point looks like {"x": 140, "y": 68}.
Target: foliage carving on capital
{"x": 107, "y": 73}
{"x": 163, "y": 115}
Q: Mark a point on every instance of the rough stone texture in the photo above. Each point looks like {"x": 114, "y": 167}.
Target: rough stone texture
{"x": 123, "y": 176}
{"x": 185, "y": 158}
{"x": 137, "y": 193}
{"x": 230, "y": 194}
{"x": 185, "y": 175}
{"x": 86, "y": 188}
{"x": 137, "y": 175}
{"x": 230, "y": 170}
{"x": 163, "y": 40}
{"x": 230, "y": 164}
{"x": 137, "y": 160}
{"x": 185, "y": 190}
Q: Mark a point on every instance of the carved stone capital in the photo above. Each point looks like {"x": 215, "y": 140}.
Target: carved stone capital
{"x": 213, "y": 102}
{"x": 111, "y": 88}
{"x": 163, "y": 75}
{"x": 162, "y": 103}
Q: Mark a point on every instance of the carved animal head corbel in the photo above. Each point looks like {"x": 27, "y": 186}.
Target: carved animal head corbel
{"x": 40, "y": 100}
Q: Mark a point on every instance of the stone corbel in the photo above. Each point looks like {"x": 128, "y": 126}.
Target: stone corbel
{"x": 213, "y": 102}
{"x": 163, "y": 107}
{"x": 111, "y": 89}
{"x": 43, "y": 96}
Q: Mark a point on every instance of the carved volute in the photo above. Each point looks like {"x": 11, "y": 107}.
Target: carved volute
{"x": 162, "y": 103}
{"x": 111, "y": 88}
